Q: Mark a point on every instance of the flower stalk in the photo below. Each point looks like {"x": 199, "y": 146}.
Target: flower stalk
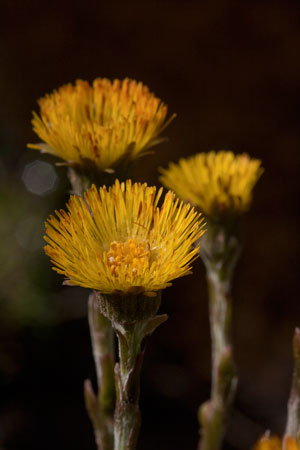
{"x": 100, "y": 406}
{"x": 220, "y": 248}
{"x": 133, "y": 317}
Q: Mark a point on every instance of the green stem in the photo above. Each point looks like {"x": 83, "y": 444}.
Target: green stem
{"x": 219, "y": 250}
{"x": 133, "y": 317}
{"x": 220, "y": 321}
{"x": 127, "y": 373}
{"x": 102, "y": 338}
{"x": 101, "y": 406}
{"x": 214, "y": 413}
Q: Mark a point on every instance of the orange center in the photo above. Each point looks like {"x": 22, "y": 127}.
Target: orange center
{"x": 130, "y": 255}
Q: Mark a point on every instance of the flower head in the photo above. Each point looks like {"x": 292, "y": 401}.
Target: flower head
{"x": 274, "y": 443}
{"x": 218, "y": 183}
{"x": 120, "y": 240}
{"x": 99, "y": 125}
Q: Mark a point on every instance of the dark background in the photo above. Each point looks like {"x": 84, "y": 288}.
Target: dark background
{"x": 230, "y": 70}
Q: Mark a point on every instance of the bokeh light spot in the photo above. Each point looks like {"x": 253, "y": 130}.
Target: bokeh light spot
{"x": 39, "y": 177}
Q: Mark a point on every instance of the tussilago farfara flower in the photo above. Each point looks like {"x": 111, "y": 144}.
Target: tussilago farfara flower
{"x": 218, "y": 183}
{"x": 120, "y": 240}
{"x": 99, "y": 125}
{"x": 274, "y": 443}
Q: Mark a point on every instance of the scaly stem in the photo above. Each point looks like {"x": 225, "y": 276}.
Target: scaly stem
{"x": 133, "y": 317}
{"x": 219, "y": 251}
{"x": 214, "y": 413}
{"x": 103, "y": 351}
{"x": 127, "y": 373}
{"x": 101, "y": 406}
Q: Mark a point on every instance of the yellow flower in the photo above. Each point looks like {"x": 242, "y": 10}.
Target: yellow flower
{"x": 99, "y": 125}
{"x": 274, "y": 443}
{"x": 217, "y": 183}
{"x": 120, "y": 240}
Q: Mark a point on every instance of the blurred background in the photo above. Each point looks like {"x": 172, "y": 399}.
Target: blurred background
{"x": 230, "y": 70}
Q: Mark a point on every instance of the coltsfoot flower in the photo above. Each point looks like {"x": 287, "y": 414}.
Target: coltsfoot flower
{"x": 118, "y": 240}
{"x": 274, "y": 443}
{"x": 101, "y": 125}
{"x": 217, "y": 183}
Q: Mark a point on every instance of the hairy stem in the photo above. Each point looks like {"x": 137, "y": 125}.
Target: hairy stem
{"x": 133, "y": 317}
{"x": 101, "y": 406}
{"x": 220, "y": 250}
{"x": 127, "y": 373}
